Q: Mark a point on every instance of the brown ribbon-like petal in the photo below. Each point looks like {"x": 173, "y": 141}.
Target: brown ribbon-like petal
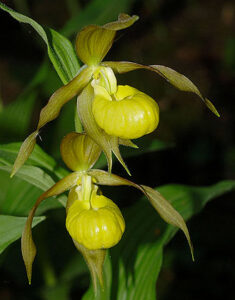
{"x": 95, "y": 261}
{"x": 51, "y": 111}
{"x": 28, "y": 247}
{"x": 178, "y": 80}
{"x": 162, "y": 206}
{"x": 107, "y": 143}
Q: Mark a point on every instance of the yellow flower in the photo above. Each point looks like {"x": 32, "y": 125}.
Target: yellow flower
{"x": 93, "y": 221}
{"x": 121, "y": 120}
{"x": 128, "y": 113}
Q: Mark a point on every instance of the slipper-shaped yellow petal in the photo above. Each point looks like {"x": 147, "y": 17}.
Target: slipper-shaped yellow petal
{"x": 128, "y": 114}
{"x": 98, "y": 224}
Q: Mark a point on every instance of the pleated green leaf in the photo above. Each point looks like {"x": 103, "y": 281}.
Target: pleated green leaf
{"x": 38, "y": 158}
{"x": 35, "y": 177}
{"x": 60, "y": 49}
{"x": 18, "y": 196}
{"x": 32, "y": 175}
{"x": 11, "y": 229}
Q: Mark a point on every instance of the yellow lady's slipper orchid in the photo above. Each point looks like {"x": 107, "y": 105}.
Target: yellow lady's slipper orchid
{"x": 120, "y": 121}
{"x": 95, "y": 223}
{"x": 128, "y": 113}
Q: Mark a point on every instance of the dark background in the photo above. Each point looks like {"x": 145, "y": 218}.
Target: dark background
{"x": 195, "y": 38}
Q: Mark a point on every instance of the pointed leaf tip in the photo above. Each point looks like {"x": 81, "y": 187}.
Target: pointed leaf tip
{"x": 51, "y": 111}
{"x": 175, "y": 78}
{"x": 211, "y": 107}
{"x": 25, "y": 151}
{"x": 167, "y": 213}
{"x": 27, "y": 245}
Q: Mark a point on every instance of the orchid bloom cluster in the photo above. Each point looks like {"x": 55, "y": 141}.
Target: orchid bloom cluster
{"x": 111, "y": 115}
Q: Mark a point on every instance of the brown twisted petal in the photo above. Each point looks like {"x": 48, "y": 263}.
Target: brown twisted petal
{"x": 51, "y": 111}
{"x": 106, "y": 142}
{"x": 162, "y": 206}
{"x": 95, "y": 262}
{"x": 28, "y": 247}
{"x": 178, "y": 80}
{"x": 93, "y": 42}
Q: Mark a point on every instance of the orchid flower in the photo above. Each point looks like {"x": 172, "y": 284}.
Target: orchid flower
{"x": 93, "y": 221}
{"x": 111, "y": 114}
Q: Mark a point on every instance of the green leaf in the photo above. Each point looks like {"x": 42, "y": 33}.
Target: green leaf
{"x": 33, "y": 175}
{"x": 38, "y": 158}
{"x": 136, "y": 260}
{"x": 17, "y": 197}
{"x": 36, "y": 177}
{"x": 11, "y": 229}
{"x": 15, "y": 117}
{"x": 60, "y": 50}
